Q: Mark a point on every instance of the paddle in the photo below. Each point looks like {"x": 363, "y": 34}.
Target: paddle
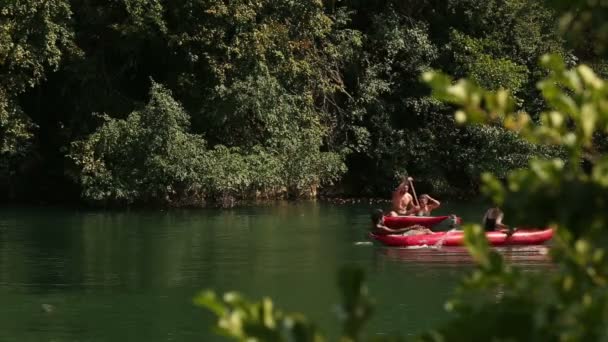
{"x": 413, "y": 190}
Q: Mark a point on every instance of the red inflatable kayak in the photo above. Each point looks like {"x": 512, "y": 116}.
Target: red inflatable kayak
{"x": 456, "y": 238}
{"x": 406, "y": 221}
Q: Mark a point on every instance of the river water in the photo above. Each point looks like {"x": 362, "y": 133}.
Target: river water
{"x": 84, "y": 275}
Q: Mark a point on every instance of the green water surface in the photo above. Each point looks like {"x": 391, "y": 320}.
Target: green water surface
{"x": 84, "y": 275}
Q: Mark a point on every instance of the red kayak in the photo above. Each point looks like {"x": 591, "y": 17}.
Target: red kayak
{"x": 456, "y": 238}
{"x": 406, "y": 221}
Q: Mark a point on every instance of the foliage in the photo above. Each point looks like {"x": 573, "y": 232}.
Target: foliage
{"x": 34, "y": 37}
{"x": 483, "y": 68}
{"x": 15, "y": 127}
{"x": 334, "y": 83}
{"x": 548, "y": 193}
{"x": 487, "y": 148}
{"x": 146, "y": 157}
{"x": 495, "y": 42}
{"x": 583, "y": 24}
{"x": 15, "y": 137}
{"x": 245, "y": 321}
{"x": 570, "y": 304}
{"x": 150, "y": 157}
{"x": 242, "y": 320}
{"x": 257, "y": 80}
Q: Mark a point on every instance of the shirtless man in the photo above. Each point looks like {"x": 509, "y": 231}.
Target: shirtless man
{"x": 403, "y": 203}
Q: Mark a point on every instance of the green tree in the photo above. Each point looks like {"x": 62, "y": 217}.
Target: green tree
{"x": 259, "y": 80}
{"x": 498, "y": 43}
{"x": 148, "y": 157}
{"x": 151, "y": 157}
{"x": 34, "y": 37}
{"x": 548, "y": 193}
{"x": 274, "y": 79}
{"x": 498, "y": 301}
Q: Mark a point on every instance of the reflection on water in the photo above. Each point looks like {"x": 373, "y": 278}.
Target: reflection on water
{"x": 522, "y": 256}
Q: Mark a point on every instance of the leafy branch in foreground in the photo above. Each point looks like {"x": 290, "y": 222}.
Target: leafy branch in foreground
{"x": 243, "y": 320}
{"x": 572, "y": 196}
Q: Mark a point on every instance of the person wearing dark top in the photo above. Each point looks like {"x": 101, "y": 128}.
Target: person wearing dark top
{"x": 492, "y": 220}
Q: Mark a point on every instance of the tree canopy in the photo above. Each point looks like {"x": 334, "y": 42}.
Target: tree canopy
{"x": 499, "y": 301}
{"x": 290, "y": 98}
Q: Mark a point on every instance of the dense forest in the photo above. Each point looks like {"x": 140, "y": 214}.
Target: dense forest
{"x": 206, "y": 102}
{"x": 516, "y": 299}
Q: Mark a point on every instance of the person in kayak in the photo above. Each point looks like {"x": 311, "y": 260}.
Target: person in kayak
{"x": 403, "y": 202}
{"x": 427, "y": 204}
{"x": 378, "y": 227}
{"x": 492, "y": 220}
